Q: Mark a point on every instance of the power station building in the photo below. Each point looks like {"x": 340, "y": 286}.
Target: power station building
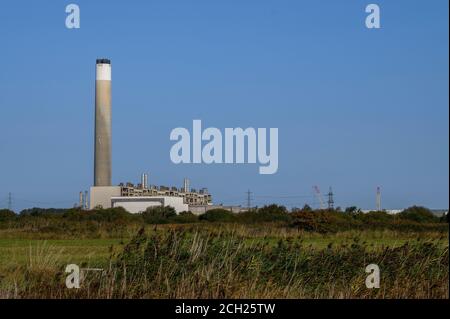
{"x": 133, "y": 198}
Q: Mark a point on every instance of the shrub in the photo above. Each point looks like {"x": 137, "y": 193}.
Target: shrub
{"x": 310, "y": 221}
{"x": 376, "y": 216}
{"x": 353, "y": 210}
{"x": 271, "y": 213}
{"x": 184, "y": 218}
{"x": 419, "y": 214}
{"x": 158, "y": 215}
{"x": 109, "y": 215}
{"x": 218, "y": 215}
{"x": 7, "y": 215}
{"x": 43, "y": 211}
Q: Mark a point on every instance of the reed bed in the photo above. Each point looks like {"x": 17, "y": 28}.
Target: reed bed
{"x": 242, "y": 262}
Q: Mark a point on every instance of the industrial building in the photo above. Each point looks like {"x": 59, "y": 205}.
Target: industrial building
{"x": 190, "y": 196}
{"x": 141, "y": 203}
{"x": 133, "y": 198}
{"x": 136, "y": 198}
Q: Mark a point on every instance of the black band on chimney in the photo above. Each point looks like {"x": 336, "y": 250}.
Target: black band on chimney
{"x": 103, "y": 61}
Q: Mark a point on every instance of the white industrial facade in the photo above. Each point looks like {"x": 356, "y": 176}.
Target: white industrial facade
{"x": 101, "y": 196}
{"x": 139, "y": 204}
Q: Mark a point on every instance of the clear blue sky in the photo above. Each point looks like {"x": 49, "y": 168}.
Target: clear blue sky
{"x": 355, "y": 108}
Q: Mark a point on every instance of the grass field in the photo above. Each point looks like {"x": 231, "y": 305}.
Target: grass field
{"x": 97, "y": 251}
{"x": 92, "y": 252}
{"x": 228, "y": 261}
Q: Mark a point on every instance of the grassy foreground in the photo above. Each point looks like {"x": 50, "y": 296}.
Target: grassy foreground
{"x": 228, "y": 261}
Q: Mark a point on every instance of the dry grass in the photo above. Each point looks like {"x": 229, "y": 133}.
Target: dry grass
{"x": 244, "y": 262}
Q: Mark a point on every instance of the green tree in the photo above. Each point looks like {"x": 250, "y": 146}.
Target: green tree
{"x": 7, "y": 215}
{"x": 419, "y": 214}
{"x": 159, "y": 214}
{"x": 352, "y": 210}
{"x": 218, "y": 215}
{"x": 307, "y": 208}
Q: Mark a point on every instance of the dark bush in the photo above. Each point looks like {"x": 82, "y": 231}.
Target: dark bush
{"x": 7, "y": 215}
{"x": 412, "y": 219}
{"x": 444, "y": 218}
{"x": 109, "y": 215}
{"x": 322, "y": 221}
{"x": 117, "y": 221}
{"x": 419, "y": 214}
{"x": 352, "y": 210}
{"x": 375, "y": 216}
{"x": 158, "y": 215}
{"x": 271, "y": 213}
{"x": 218, "y": 215}
{"x": 184, "y": 218}
{"x": 44, "y": 211}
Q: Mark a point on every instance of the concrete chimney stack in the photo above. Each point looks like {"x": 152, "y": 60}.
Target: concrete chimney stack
{"x": 81, "y": 201}
{"x": 144, "y": 181}
{"x": 102, "y": 151}
{"x": 186, "y": 185}
{"x": 86, "y": 202}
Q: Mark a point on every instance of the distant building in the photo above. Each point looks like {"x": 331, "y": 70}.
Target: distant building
{"x": 440, "y": 212}
{"x": 101, "y": 196}
{"x": 389, "y": 211}
{"x": 437, "y": 212}
{"x": 137, "y": 198}
{"x": 141, "y": 203}
{"x": 190, "y": 197}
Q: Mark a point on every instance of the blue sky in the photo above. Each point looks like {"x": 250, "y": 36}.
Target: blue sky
{"x": 355, "y": 108}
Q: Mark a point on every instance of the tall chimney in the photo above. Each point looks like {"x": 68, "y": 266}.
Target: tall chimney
{"x": 81, "y": 200}
{"x": 144, "y": 181}
{"x": 86, "y": 203}
{"x": 102, "y": 151}
{"x": 378, "y": 198}
{"x": 186, "y": 185}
